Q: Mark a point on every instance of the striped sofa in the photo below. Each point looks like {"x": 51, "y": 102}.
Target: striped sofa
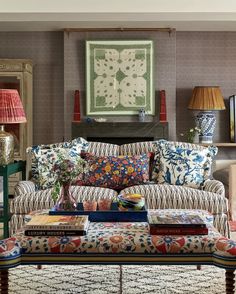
{"x": 157, "y": 196}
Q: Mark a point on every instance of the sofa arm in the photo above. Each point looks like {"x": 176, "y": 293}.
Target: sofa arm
{"x": 232, "y": 190}
{"x": 214, "y": 186}
{"x": 24, "y": 187}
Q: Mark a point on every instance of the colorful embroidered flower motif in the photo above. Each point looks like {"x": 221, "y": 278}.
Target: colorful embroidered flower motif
{"x": 226, "y": 245}
{"x": 116, "y": 172}
{"x": 63, "y": 244}
{"x": 7, "y": 245}
{"x": 168, "y": 244}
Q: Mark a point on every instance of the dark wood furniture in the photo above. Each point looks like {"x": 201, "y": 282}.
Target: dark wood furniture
{"x": 5, "y": 172}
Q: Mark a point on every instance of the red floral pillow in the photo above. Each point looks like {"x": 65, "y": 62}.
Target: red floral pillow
{"x": 116, "y": 172}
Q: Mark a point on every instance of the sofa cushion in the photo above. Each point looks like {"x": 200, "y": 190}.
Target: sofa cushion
{"x": 42, "y": 199}
{"x": 45, "y": 156}
{"x": 180, "y": 163}
{"x": 116, "y": 172}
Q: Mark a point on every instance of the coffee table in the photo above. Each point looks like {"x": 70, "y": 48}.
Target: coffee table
{"x": 121, "y": 243}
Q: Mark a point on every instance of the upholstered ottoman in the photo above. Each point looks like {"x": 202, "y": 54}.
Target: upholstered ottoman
{"x": 121, "y": 243}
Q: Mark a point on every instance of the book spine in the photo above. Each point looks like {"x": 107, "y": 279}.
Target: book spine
{"x": 179, "y": 226}
{"x": 54, "y": 233}
{"x": 178, "y": 231}
{"x": 54, "y": 228}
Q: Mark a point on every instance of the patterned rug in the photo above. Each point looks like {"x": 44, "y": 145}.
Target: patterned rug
{"x": 102, "y": 279}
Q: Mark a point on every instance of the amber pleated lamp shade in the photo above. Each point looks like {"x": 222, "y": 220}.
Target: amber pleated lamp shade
{"x": 206, "y": 98}
{"x": 11, "y": 108}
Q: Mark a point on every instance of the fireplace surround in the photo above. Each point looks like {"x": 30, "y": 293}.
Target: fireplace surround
{"x": 120, "y": 132}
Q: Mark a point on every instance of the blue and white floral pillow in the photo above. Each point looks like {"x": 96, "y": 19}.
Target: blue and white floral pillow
{"x": 45, "y": 156}
{"x": 180, "y": 163}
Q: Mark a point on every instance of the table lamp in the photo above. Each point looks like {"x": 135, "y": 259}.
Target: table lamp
{"x": 206, "y": 100}
{"x": 11, "y": 112}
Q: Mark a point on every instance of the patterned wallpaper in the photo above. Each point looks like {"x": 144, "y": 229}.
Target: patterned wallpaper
{"x": 182, "y": 61}
{"x": 205, "y": 59}
{"x": 165, "y": 72}
{"x": 45, "y": 49}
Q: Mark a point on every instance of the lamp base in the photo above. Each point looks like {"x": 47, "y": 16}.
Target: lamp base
{"x": 206, "y": 122}
{"x": 6, "y": 147}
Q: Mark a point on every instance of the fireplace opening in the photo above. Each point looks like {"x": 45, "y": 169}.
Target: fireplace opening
{"x": 119, "y": 140}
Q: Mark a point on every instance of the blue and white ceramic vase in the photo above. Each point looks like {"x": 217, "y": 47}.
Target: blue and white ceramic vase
{"x": 206, "y": 121}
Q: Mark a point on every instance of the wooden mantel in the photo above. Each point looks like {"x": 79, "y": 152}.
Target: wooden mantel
{"x": 120, "y": 132}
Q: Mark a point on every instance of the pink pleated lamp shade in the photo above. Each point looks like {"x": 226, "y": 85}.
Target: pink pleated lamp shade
{"x": 11, "y": 108}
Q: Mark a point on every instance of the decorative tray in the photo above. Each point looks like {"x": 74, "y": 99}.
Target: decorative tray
{"x": 113, "y": 215}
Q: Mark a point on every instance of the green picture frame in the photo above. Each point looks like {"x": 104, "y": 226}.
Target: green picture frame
{"x": 119, "y": 77}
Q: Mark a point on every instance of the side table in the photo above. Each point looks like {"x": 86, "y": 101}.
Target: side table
{"x": 5, "y": 172}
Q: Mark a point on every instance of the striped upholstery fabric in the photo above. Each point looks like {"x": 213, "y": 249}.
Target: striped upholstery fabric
{"x": 103, "y": 149}
{"x": 214, "y": 186}
{"x": 171, "y": 196}
{"x": 42, "y": 199}
{"x": 16, "y": 223}
{"x": 137, "y": 148}
{"x": 211, "y": 198}
{"x": 24, "y": 187}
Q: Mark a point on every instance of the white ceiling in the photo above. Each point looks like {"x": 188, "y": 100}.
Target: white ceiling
{"x": 183, "y": 15}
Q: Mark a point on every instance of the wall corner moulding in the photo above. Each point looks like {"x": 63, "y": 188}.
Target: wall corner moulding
{"x": 119, "y": 77}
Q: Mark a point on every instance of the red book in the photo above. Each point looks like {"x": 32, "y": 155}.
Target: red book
{"x": 154, "y": 230}
{"x": 163, "y": 106}
{"x": 77, "y": 106}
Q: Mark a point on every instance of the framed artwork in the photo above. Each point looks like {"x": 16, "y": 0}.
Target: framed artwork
{"x": 232, "y": 109}
{"x": 119, "y": 77}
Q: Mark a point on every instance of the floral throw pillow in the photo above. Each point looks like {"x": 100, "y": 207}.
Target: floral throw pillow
{"x": 180, "y": 163}
{"x": 116, "y": 172}
{"x": 45, "y": 156}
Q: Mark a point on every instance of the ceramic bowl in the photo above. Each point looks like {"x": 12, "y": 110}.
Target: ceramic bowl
{"x": 130, "y": 201}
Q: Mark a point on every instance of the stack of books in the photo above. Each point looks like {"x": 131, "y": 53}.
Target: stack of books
{"x": 177, "y": 224}
{"x": 57, "y": 225}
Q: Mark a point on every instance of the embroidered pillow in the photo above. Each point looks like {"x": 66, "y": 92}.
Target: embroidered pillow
{"x": 116, "y": 172}
{"x": 45, "y": 156}
{"x": 180, "y": 163}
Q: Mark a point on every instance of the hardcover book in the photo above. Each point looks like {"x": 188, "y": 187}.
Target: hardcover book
{"x": 176, "y": 224}
{"x": 58, "y": 223}
{"x": 176, "y": 221}
{"x": 55, "y": 232}
{"x": 177, "y": 231}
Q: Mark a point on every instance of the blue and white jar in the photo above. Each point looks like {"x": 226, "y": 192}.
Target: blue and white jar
{"x": 206, "y": 121}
